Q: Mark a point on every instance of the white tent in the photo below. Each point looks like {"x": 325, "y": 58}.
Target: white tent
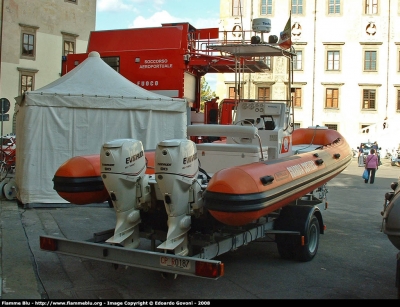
{"x": 76, "y": 114}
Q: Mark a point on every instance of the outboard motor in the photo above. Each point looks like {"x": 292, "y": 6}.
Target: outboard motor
{"x": 176, "y": 172}
{"x": 123, "y": 167}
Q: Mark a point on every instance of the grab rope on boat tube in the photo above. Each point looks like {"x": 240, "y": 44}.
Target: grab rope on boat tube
{"x": 311, "y": 143}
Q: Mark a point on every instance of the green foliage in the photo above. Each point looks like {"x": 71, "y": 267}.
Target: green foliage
{"x": 206, "y": 92}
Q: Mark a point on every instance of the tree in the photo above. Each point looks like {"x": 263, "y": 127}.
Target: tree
{"x": 206, "y": 92}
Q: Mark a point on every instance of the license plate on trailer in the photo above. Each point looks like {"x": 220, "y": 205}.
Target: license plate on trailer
{"x": 175, "y": 263}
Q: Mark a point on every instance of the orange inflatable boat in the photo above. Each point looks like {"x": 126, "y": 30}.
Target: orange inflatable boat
{"x": 79, "y": 182}
{"x": 240, "y": 194}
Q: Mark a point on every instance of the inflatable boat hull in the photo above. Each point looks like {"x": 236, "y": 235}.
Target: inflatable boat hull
{"x": 78, "y": 180}
{"x": 239, "y": 195}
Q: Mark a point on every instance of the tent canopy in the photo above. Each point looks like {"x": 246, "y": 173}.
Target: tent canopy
{"x": 102, "y": 88}
{"x": 76, "y": 114}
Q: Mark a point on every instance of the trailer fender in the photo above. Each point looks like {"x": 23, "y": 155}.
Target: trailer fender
{"x": 298, "y": 229}
{"x": 297, "y": 218}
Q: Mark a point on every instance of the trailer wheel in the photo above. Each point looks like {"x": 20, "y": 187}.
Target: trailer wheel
{"x": 286, "y": 246}
{"x": 309, "y": 250}
{"x": 168, "y": 276}
{"x": 398, "y": 292}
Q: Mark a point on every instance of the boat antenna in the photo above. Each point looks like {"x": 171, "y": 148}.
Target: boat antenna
{"x": 241, "y": 20}
{"x": 238, "y": 68}
{"x": 289, "y": 56}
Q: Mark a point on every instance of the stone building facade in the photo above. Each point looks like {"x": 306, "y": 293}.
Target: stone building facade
{"x": 34, "y": 35}
{"x": 347, "y": 70}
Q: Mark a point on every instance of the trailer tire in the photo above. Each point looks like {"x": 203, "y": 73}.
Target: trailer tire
{"x": 286, "y": 246}
{"x": 169, "y": 276}
{"x": 307, "y": 251}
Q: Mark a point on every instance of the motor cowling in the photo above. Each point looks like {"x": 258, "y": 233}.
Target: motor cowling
{"x": 176, "y": 172}
{"x": 122, "y": 168}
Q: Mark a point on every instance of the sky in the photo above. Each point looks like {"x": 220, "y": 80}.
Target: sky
{"x": 123, "y": 14}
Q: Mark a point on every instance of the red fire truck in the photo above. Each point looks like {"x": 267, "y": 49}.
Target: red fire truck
{"x": 168, "y": 60}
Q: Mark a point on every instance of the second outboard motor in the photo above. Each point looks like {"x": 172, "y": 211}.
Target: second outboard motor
{"x": 176, "y": 171}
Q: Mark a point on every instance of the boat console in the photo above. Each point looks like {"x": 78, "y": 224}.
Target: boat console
{"x": 272, "y": 120}
{"x": 243, "y": 145}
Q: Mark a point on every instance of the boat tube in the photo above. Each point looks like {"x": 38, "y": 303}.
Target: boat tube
{"x": 238, "y": 195}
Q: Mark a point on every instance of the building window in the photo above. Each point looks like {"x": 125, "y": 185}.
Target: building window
{"x": 333, "y": 60}
{"x": 266, "y": 7}
{"x": 26, "y": 79}
{"x": 365, "y": 126}
{"x": 113, "y": 61}
{"x": 334, "y": 7}
{"x": 237, "y": 7}
{"x": 69, "y": 41}
{"x": 28, "y": 41}
{"x": 296, "y": 126}
{"x": 73, "y": 1}
{"x": 371, "y": 7}
{"x": 370, "y": 60}
{"x": 69, "y": 47}
{"x": 398, "y": 59}
{"x": 331, "y": 126}
{"x": 332, "y": 98}
{"x": 398, "y": 101}
{"x": 297, "y": 97}
{"x": 268, "y": 61}
{"x": 369, "y": 99}
{"x": 231, "y": 93}
{"x": 297, "y": 7}
{"x": 26, "y": 83}
{"x": 28, "y": 44}
{"x": 298, "y": 60}
{"x": 264, "y": 93}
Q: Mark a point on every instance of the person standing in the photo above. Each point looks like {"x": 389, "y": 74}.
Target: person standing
{"x": 376, "y": 147}
{"x": 361, "y": 155}
{"x": 371, "y": 164}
